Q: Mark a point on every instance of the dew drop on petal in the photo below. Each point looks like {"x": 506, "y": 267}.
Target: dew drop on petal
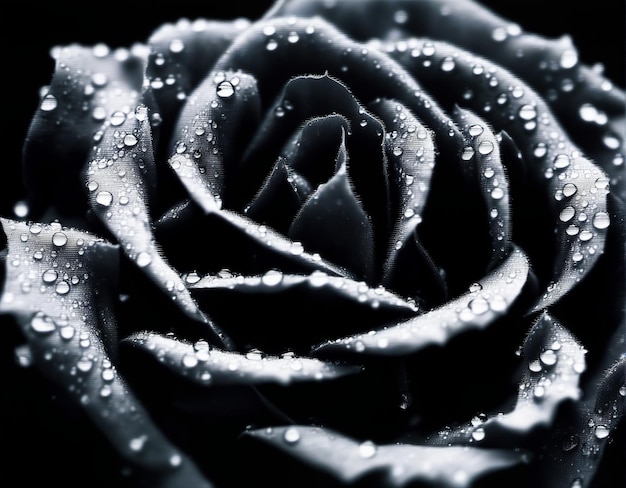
{"x": 62, "y": 287}
{"x": 485, "y": 147}
{"x": 291, "y": 435}
{"x": 527, "y": 112}
{"x": 567, "y": 213}
{"x": 59, "y": 239}
{"x": 49, "y": 103}
{"x": 42, "y": 324}
{"x": 272, "y": 277}
{"x": 601, "y": 431}
{"x": 367, "y": 449}
{"x": 548, "y": 357}
{"x": 225, "y": 89}
{"x": 601, "y": 220}
{"x": 143, "y": 259}
{"x": 49, "y": 276}
{"x": 478, "y": 434}
{"x": 104, "y": 198}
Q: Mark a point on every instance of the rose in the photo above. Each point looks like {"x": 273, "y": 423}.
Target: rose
{"x": 355, "y": 179}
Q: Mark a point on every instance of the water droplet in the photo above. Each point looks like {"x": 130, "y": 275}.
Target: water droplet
{"x": 567, "y": 213}
{"x": 400, "y": 16}
{"x": 104, "y": 198}
{"x": 447, "y": 64}
{"x": 367, "y": 449}
{"x": 475, "y": 130}
{"x": 475, "y": 287}
{"x": 527, "y": 112}
{"x": 225, "y": 89}
{"x": 143, "y": 259}
{"x": 561, "y": 161}
{"x": 137, "y": 443}
{"x": 59, "y": 239}
{"x": 601, "y": 220}
{"x": 478, "y": 434}
{"x": 49, "y": 276}
{"x": 62, "y": 287}
{"x": 497, "y": 193}
{"x": 569, "y": 59}
{"x": 176, "y": 45}
{"x": 272, "y": 277}
{"x": 485, "y": 147}
{"x": 271, "y": 45}
{"x": 539, "y": 391}
{"x": 293, "y": 37}
{"x": 130, "y": 140}
{"x": 117, "y": 118}
{"x": 468, "y": 153}
{"x": 569, "y": 190}
{"x": 42, "y": 324}
{"x": 478, "y": 306}
{"x": 291, "y": 435}
{"x": 601, "y": 431}
{"x": 84, "y": 365}
{"x": 49, "y": 103}
{"x": 548, "y": 357}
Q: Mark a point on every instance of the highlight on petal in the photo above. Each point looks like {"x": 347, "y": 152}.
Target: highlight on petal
{"x": 206, "y": 366}
{"x": 393, "y": 465}
{"x": 60, "y": 286}
{"x": 476, "y": 309}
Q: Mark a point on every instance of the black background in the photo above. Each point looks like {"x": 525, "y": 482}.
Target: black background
{"x": 30, "y": 30}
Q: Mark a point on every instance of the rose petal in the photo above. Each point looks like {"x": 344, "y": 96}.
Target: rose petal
{"x": 477, "y": 308}
{"x": 90, "y": 88}
{"x": 410, "y": 151}
{"x": 483, "y": 151}
{"x": 553, "y": 160}
{"x": 334, "y": 209}
{"x": 209, "y": 367}
{"x": 319, "y": 305}
{"x": 394, "y": 465}
{"x": 54, "y": 276}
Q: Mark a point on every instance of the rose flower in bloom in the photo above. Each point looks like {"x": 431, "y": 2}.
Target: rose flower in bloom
{"x": 348, "y": 243}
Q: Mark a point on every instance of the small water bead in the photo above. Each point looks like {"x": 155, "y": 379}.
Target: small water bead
{"x": 601, "y": 431}
{"x": 225, "y": 89}
{"x": 539, "y": 391}
{"x": 475, "y": 287}
{"x": 99, "y": 113}
{"x": 611, "y": 142}
{"x": 271, "y": 45}
{"x": 570, "y": 442}
{"x": 143, "y": 259}
{"x": 130, "y": 140}
{"x": 601, "y": 220}
{"x": 475, "y": 130}
{"x": 176, "y": 46}
{"x": 291, "y": 435}
{"x": 497, "y": 193}
{"x": 49, "y": 276}
{"x": 293, "y": 37}
{"x": 59, "y": 239}
{"x": 569, "y": 190}
{"x": 485, "y": 148}
{"x": 569, "y": 59}
{"x": 448, "y": 64}
{"x": 567, "y": 214}
{"x": 104, "y": 198}
{"x": 117, "y": 118}
{"x": 62, "y": 287}
{"x": 478, "y": 306}
{"x": 272, "y": 277}
{"x": 527, "y": 112}
{"x": 548, "y": 357}
{"x": 478, "y": 434}
{"x": 467, "y": 154}
{"x": 585, "y": 235}
{"x": 137, "y": 443}
{"x": 49, "y": 103}
{"x": 42, "y": 324}
{"x": 189, "y": 361}
{"x": 367, "y": 449}
{"x": 561, "y": 161}
{"x": 535, "y": 366}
